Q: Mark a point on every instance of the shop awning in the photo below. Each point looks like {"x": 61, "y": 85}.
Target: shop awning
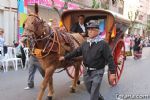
{"x": 47, "y": 3}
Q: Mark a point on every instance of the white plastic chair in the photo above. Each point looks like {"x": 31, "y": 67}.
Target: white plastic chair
{"x": 26, "y": 51}
{"x": 1, "y": 56}
{"x": 11, "y": 57}
{"x": 1, "y": 61}
{"x": 17, "y": 60}
{"x": 6, "y": 61}
{"x": 1, "y": 50}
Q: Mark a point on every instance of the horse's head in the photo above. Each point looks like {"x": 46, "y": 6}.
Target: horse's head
{"x": 36, "y": 31}
{"x": 34, "y": 26}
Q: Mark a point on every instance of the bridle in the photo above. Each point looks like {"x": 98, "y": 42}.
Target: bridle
{"x": 51, "y": 37}
{"x": 30, "y": 30}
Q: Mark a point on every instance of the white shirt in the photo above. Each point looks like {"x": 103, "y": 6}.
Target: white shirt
{"x": 83, "y": 27}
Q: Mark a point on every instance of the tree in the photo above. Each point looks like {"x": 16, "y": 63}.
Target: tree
{"x": 61, "y": 10}
{"x": 148, "y": 25}
{"x": 116, "y": 1}
{"x": 132, "y": 16}
{"x": 95, "y": 4}
{"x": 147, "y": 30}
{"x": 104, "y": 3}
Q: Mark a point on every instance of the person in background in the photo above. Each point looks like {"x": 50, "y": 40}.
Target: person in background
{"x": 137, "y": 47}
{"x": 1, "y": 37}
{"x": 131, "y": 43}
{"x": 96, "y": 53}
{"x": 127, "y": 41}
{"x": 2, "y": 41}
{"x": 50, "y": 22}
{"x": 22, "y": 45}
{"x": 80, "y": 26}
{"x": 33, "y": 66}
{"x": 55, "y": 23}
{"x": 62, "y": 27}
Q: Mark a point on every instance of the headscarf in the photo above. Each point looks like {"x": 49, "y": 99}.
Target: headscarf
{"x": 95, "y": 39}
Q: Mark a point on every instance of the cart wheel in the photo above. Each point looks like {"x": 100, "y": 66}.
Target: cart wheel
{"x": 71, "y": 71}
{"x": 119, "y": 58}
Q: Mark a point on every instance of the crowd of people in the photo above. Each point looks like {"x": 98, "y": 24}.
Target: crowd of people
{"x": 134, "y": 45}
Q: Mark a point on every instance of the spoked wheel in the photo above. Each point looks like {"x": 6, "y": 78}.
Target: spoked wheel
{"x": 119, "y": 58}
{"x": 71, "y": 71}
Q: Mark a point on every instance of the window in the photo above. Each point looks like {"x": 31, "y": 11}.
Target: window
{"x": 120, "y": 10}
{"x": 148, "y": 16}
{"x": 1, "y": 19}
{"x": 120, "y": 29}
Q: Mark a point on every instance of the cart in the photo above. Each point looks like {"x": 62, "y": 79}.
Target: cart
{"x": 112, "y": 28}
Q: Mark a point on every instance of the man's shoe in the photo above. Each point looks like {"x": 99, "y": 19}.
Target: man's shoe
{"x": 28, "y": 88}
{"x": 31, "y": 84}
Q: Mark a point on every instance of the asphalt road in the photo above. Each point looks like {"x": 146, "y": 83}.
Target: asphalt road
{"x": 134, "y": 84}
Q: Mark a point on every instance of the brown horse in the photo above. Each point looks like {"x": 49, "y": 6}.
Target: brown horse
{"x": 48, "y": 45}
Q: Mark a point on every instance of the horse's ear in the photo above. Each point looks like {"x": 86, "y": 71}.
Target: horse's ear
{"x": 36, "y": 9}
{"x": 24, "y": 23}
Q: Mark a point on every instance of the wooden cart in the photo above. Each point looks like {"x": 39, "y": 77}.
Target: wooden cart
{"x": 112, "y": 27}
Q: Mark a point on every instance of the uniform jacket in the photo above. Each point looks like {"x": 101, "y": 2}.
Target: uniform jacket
{"x": 76, "y": 28}
{"x": 95, "y": 55}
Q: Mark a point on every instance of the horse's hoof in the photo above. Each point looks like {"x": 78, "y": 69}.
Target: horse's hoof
{"x": 78, "y": 82}
{"x": 72, "y": 90}
{"x": 49, "y": 98}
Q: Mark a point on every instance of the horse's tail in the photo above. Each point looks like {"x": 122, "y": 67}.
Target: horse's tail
{"x": 36, "y": 9}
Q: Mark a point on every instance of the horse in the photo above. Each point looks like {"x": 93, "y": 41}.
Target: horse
{"x": 48, "y": 44}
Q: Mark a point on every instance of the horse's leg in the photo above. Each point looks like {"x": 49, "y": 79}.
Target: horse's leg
{"x": 48, "y": 73}
{"x": 50, "y": 89}
{"x": 76, "y": 77}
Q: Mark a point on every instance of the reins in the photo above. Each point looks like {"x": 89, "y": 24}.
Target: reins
{"x": 41, "y": 38}
{"x": 55, "y": 39}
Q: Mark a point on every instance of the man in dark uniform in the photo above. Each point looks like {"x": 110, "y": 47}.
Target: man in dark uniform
{"x": 96, "y": 52}
{"x": 80, "y": 26}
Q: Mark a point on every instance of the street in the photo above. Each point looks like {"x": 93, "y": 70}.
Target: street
{"x": 134, "y": 83}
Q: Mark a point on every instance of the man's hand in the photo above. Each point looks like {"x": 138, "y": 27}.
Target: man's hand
{"x": 61, "y": 58}
{"x": 112, "y": 78}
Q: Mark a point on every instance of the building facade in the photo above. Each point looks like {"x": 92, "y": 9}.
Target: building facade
{"x": 142, "y": 16}
{"x": 46, "y": 10}
{"x": 139, "y": 13}
{"x": 82, "y": 3}
{"x": 8, "y": 12}
{"x": 8, "y": 20}
{"x": 116, "y": 6}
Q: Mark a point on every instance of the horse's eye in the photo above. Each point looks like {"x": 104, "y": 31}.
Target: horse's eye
{"x": 23, "y": 25}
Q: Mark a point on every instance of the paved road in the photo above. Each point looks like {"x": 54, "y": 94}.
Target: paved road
{"x": 135, "y": 81}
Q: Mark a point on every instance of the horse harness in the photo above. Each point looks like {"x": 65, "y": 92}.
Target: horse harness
{"x": 51, "y": 39}
{"x": 52, "y": 44}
